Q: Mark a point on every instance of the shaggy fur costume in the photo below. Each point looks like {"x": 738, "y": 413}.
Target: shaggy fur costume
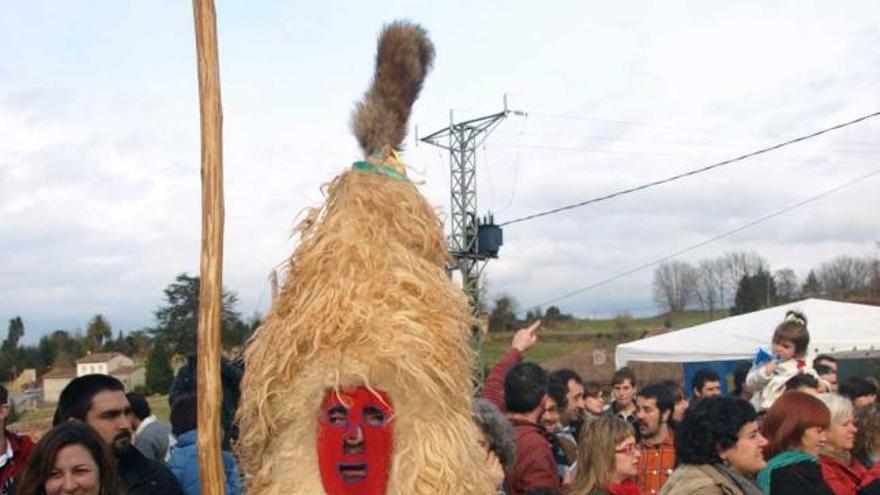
{"x": 367, "y": 302}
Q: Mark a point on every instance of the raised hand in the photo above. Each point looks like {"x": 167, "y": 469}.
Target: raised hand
{"x": 526, "y": 337}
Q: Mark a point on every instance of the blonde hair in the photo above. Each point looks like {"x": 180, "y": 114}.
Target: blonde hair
{"x": 839, "y": 406}
{"x": 366, "y": 303}
{"x": 596, "y": 453}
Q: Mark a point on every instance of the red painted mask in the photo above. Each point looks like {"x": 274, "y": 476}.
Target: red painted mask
{"x": 355, "y": 442}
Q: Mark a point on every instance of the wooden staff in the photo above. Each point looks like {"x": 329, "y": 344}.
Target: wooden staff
{"x": 211, "y": 284}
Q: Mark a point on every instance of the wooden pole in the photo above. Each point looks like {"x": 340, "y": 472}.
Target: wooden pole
{"x": 211, "y": 284}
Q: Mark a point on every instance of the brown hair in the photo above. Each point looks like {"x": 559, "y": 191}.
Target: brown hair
{"x": 789, "y": 417}
{"x": 793, "y": 329}
{"x": 71, "y": 432}
{"x": 596, "y": 453}
{"x": 622, "y": 375}
{"x": 868, "y": 434}
{"x": 592, "y": 389}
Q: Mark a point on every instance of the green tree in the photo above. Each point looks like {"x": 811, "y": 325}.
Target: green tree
{"x": 14, "y": 333}
{"x": 98, "y": 333}
{"x": 533, "y": 314}
{"x": 159, "y": 374}
{"x": 10, "y": 355}
{"x": 177, "y": 320}
{"x": 238, "y": 332}
{"x": 754, "y": 292}
{"x": 503, "y": 314}
{"x": 60, "y": 348}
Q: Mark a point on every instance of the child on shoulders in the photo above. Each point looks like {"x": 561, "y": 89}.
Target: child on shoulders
{"x": 789, "y": 346}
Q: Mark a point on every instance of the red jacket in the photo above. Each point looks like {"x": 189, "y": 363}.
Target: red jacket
{"x": 493, "y": 388}
{"x": 535, "y": 465}
{"x": 842, "y": 478}
{"x": 21, "y": 451}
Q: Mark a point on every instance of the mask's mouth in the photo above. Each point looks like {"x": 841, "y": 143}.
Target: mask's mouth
{"x": 352, "y": 472}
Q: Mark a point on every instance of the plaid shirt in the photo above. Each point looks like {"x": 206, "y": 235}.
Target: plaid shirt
{"x": 656, "y": 463}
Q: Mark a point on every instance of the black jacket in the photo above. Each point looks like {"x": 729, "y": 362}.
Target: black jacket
{"x": 141, "y": 475}
{"x": 800, "y": 478}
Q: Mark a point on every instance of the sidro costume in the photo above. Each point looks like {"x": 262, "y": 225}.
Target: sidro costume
{"x": 360, "y": 379}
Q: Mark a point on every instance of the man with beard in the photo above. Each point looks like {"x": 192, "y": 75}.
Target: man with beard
{"x": 706, "y": 383}
{"x": 566, "y": 389}
{"x": 654, "y": 407}
{"x": 100, "y": 402}
{"x": 571, "y": 411}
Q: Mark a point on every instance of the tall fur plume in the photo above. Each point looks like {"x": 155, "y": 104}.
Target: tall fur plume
{"x": 403, "y": 59}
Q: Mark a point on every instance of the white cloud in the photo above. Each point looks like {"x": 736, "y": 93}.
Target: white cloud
{"x": 99, "y": 180}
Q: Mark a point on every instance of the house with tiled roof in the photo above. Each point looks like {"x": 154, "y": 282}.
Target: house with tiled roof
{"x": 103, "y": 363}
{"x": 55, "y": 380}
{"x": 117, "y": 365}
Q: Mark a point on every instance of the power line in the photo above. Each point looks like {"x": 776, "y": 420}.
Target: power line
{"x": 618, "y": 138}
{"x": 593, "y": 149}
{"x": 711, "y": 239}
{"x": 692, "y": 172}
{"x": 588, "y": 149}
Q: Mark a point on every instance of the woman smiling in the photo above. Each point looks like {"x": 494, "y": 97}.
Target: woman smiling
{"x": 795, "y": 426}
{"x": 719, "y": 449}
{"x": 607, "y": 459}
{"x": 843, "y": 473}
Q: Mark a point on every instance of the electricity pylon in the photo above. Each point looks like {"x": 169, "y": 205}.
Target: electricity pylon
{"x": 470, "y": 254}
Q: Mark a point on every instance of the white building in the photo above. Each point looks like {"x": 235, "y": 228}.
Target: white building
{"x": 102, "y": 363}
{"x": 117, "y": 365}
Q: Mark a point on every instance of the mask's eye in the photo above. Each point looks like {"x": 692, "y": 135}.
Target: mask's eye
{"x": 337, "y": 416}
{"x": 373, "y": 416}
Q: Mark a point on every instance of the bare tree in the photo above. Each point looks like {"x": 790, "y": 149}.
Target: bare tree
{"x": 786, "y": 284}
{"x": 709, "y": 290}
{"x": 738, "y": 264}
{"x": 722, "y": 289}
{"x": 845, "y": 275}
{"x": 675, "y": 284}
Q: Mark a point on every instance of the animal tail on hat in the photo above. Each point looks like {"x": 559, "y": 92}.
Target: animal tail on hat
{"x": 403, "y": 59}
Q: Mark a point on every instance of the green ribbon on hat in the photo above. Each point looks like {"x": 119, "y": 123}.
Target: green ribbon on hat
{"x": 378, "y": 169}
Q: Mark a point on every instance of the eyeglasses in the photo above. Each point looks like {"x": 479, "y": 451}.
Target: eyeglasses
{"x": 628, "y": 449}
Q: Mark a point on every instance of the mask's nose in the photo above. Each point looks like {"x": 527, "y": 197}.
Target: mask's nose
{"x": 354, "y": 440}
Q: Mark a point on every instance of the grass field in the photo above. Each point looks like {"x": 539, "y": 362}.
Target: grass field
{"x": 572, "y": 336}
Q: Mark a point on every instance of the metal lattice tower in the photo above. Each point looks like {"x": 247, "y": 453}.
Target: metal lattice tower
{"x": 461, "y": 140}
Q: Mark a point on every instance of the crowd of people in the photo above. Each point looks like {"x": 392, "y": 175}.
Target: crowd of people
{"x": 104, "y": 441}
{"x": 787, "y": 427}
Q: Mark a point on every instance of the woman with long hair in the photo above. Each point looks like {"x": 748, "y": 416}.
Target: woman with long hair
{"x": 866, "y": 447}
{"x": 796, "y": 428}
{"x": 70, "y": 458}
{"x": 718, "y": 448}
{"x": 607, "y": 459}
{"x": 845, "y": 474}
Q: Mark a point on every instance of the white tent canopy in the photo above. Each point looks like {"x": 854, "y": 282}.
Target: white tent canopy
{"x": 846, "y": 330}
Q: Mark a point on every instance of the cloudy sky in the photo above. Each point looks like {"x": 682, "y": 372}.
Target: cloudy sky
{"x": 99, "y": 154}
